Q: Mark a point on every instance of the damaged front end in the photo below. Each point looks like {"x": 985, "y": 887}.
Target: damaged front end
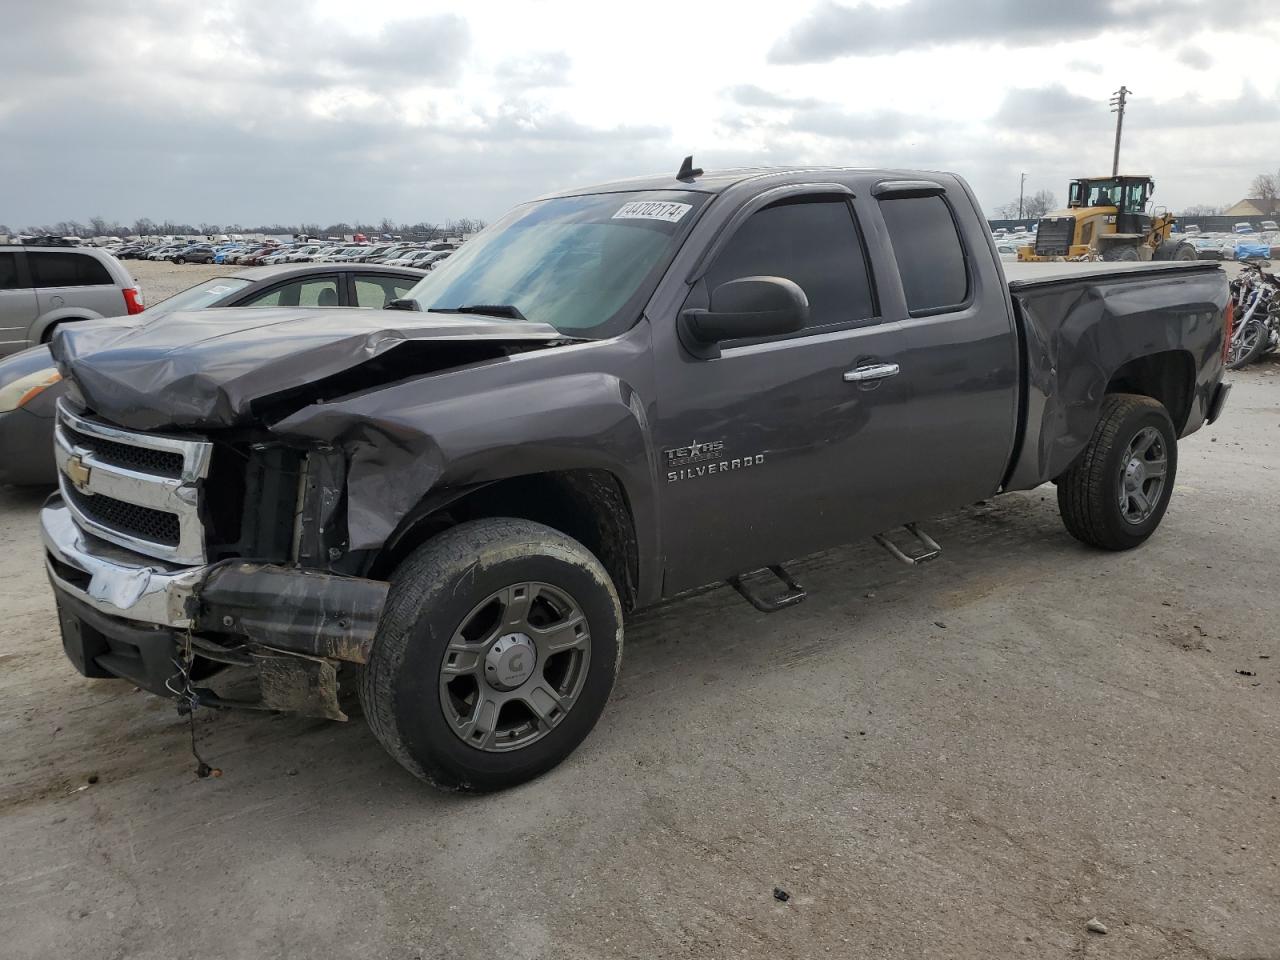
{"x": 191, "y": 533}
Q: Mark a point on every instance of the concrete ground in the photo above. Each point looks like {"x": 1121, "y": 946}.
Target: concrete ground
{"x": 970, "y": 760}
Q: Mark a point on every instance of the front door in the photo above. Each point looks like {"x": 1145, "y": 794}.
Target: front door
{"x": 782, "y": 447}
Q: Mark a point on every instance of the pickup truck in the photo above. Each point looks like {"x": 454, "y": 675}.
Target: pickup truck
{"x": 610, "y": 397}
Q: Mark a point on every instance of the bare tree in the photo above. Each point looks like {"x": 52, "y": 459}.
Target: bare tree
{"x": 1266, "y": 187}
{"x": 1038, "y": 204}
{"x": 1202, "y": 210}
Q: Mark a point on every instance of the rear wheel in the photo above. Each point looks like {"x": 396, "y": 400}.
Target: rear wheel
{"x": 1115, "y": 494}
{"x": 179, "y": 259}
{"x": 495, "y": 655}
{"x": 1175, "y": 250}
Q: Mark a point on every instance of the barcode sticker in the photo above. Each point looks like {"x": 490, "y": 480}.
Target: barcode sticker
{"x": 666, "y": 210}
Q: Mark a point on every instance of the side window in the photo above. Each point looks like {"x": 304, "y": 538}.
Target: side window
{"x": 50, "y": 269}
{"x": 377, "y": 291}
{"x": 930, "y": 255}
{"x": 311, "y": 292}
{"x": 813, "y": 242}
{"x": 8, "y": 271}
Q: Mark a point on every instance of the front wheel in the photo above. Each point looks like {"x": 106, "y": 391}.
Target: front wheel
{"x": 1115, "y": 494}
{"x": 495, "y": 655}
{"x": 1248, "y": 344}
{"x": 179, "y": 259}
{"x": 1117, "y": 253}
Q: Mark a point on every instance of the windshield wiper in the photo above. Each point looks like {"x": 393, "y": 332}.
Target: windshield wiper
{"x": 508, "y": 310}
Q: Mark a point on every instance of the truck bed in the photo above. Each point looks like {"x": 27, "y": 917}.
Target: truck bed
{"x": 1023, "y": 276}
{"x": 1083, "y": 325}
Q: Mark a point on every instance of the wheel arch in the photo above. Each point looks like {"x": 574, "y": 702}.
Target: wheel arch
{"x": 43, "y": 327}
{"x": 1168, "y": 376}
{"x": 591, "y": 505}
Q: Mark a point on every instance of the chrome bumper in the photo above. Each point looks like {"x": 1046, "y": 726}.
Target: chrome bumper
{"x": 113, "y": 580}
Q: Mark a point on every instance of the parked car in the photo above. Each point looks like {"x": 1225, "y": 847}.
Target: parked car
{"x": 197, "y": 253}
{"x": 42, "y": 288}
{"x": 1243, "y": 226}
{"x": 30, "y": 383}
{"x": 1270, "y": 226}
{"x": 608, "y": 398}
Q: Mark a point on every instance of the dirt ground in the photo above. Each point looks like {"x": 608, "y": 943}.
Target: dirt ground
{"x": 970, "y": 760}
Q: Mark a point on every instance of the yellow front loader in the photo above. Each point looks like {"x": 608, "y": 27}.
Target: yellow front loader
{"x": 1108, "y": 217}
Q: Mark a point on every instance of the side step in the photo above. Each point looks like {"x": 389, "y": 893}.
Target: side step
{"x": 930, "y": 551}
{"x": 788, "y": 598}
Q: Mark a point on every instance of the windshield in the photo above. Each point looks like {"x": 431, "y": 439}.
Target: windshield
{"x": 201, "y": 295}
{"x": 582, "y": 264}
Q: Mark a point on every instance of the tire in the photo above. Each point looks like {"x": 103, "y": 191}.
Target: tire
{"x": 179, "y": 259}
{"x": 436, "y": 593}
{"x": 1089, "y": 493}
{"x": 1178, "y": 250}
{"x": 1120, "y": 253}
{"x": 1254, "y": 339}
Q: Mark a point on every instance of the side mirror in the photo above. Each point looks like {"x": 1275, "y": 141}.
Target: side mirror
{"x": 744, "y": 309}
{"x": 402, "y": 304}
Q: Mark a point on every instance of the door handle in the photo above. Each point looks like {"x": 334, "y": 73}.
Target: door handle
{"x": 873, "y": 371}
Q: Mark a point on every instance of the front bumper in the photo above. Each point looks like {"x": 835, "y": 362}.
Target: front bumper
{"x": 126, "y": 615}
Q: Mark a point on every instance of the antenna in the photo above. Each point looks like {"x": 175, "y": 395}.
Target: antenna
{"x": 687, "y": 170}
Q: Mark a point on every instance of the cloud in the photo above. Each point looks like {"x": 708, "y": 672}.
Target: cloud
{"x": 750, "y": 95}
{"x": 1195, "y": 57}
{"x": 1055, "y": 109}
{"x": 538, "y": 70}
{"x": 834, "y": 30}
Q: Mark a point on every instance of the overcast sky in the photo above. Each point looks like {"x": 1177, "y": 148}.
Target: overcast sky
{"x": 255, "y": 111}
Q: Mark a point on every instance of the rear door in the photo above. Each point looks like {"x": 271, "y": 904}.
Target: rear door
{"x": 65, "y": 278}
{"x": 17, "y": 302}
{"x": 960, "y": 348}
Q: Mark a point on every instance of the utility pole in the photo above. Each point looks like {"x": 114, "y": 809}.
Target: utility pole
{"x": 1021, "y": 190}
{"x": 1118, "y": 101}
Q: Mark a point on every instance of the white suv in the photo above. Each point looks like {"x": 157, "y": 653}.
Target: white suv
{"x": 44, "y": 286}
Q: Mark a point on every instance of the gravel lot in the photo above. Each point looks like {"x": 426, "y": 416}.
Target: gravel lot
{"x": 160, "y": 279}
{"x": 969, "y": 760}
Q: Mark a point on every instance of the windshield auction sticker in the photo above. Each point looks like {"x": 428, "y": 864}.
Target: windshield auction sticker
{"x": 653, "y": 210}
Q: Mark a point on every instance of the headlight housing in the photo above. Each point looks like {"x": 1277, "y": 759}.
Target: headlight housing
{"x": 20, "y": 392}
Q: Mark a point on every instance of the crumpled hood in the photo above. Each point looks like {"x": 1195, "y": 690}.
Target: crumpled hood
{"x": 204, "y": 368}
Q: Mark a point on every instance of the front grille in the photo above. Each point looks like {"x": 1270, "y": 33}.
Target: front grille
{"x": 141, "y": 491}
{"x": 162, "y": 463}
{"x": 1054, "y": 236}
{"x": 155, "y": 526}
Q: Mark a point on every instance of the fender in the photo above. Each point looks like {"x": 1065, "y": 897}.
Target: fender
{"x": 1080, "y": 332}
{"x": 416, "y": 443}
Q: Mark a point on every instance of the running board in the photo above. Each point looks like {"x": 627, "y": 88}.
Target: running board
{"x": 930, "y": 552}
{"x": 788, "y": 598}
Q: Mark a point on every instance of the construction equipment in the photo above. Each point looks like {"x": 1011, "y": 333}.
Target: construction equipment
{"x": 1108, "y": 217}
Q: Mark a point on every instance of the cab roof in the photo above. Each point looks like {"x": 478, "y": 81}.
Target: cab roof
{"x": 713, "y": 181}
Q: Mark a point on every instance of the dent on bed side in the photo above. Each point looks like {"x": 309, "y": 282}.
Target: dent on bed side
{"x": 1105, "y": 331}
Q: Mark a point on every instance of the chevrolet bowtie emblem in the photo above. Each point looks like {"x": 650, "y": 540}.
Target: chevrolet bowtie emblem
{"x": 77, "y": 472}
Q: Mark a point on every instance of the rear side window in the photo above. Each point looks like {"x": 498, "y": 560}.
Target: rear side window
{"x": 8, "y": 271}
{"x": 49, "y": 269}
{"x": 373, "y": 290}
{"x": 813, "y": 242}
{"x": 930, "y": 255}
